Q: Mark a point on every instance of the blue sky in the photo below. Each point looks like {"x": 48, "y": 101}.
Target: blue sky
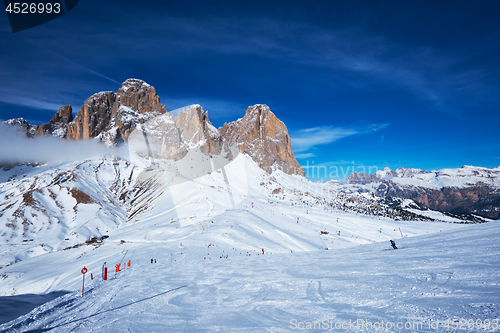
{"x": 361, "y": 85}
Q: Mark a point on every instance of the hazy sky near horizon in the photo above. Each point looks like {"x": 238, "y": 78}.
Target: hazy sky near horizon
{"x": 361, "y": 85}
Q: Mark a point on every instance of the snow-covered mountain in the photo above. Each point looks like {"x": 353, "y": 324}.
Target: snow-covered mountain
{"x": 23, "y": 126}
{"x": 48, "y": 208}
{"x": 264, "y": 137}
{"x": 237, "y": 249}
{"x": 461, "y": 192}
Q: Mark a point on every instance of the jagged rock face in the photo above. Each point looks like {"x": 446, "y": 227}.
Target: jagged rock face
{"x": 171, "y": 138}
{"x": 466, "y": 190}
{"x": 361, "y": 178}
{"x": 265, "y": 138}
{"x": 139, "y": 96}
{"x": 58, "y": 125}
{"x": 480, "y": 199}
{"x": 111, "y": 117}
{"x": 93, "y": 118}
{"x": 196, "y": 129}
{"x": 136, "y": 103}
{"x": 24, "y": 127}
{"x": 164, "y": 138}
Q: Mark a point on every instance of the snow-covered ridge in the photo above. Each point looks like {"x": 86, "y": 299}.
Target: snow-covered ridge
{"x": 465, "y": 190}
{"x": 465, "y": 176}
{"x": 100, "y": 94}
{"x": 23, "y": 126}
{"x": 110, "y": 117}
{"x": 50, "y": 208}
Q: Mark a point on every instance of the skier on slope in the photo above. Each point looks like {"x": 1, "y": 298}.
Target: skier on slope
{"x": 394, "y": 245}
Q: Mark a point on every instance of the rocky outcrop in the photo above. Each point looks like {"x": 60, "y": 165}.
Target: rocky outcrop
{"x": 139, "y": 96}
{"x": 480, "y": 199}
{"x": 110, "y": 117}
{"x": 171, "y": 137}
{"x": 58, "y": 125}
{"x": 23, "y": 126}
{"x": 265, "y": 138}
{"x": 93, "y": 118}
{"x": 196, "y": 129}
{"x": 466, "y": 190}
{"x": 361, "y": 178}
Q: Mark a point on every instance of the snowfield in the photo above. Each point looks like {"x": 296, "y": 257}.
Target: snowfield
{"x": 430, "y": 279}
{"x": 323, "y": 269}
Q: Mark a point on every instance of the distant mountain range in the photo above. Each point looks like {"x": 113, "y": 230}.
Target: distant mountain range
{"x": 466, "y": 190}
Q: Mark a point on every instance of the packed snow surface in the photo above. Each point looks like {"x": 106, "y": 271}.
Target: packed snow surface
{"x": 430, "y": 279}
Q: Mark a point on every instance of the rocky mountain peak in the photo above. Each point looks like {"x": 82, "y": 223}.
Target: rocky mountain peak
{"x": 134, "y": 83}
{"x": 258, "y": 109}
{"x": 139, "y": 96}
{"x": 408, "y": 172}
{"x": 23, "y": 126}
{"x": 65, "y": 114}
{"x": 58, "y": 125}
{"x": 196, "y": 129}
{"x": 110, "y": 116}
{"x": 265, "y": 138}
{"x": 361, "y": 178}
{"x": 94, "y": 116}
{"x": 387, "y": 173}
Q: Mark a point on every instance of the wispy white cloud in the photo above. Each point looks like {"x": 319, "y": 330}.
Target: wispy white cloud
{"x": 305, "y": 155}
{"x": 309, "y": 138}
{"x": 376, "y": 127}
{"x": 34, "y": 103}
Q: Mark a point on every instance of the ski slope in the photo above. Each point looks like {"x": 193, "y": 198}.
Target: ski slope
{"x": 430, "y": 278}
{"x": 319, "y": 263}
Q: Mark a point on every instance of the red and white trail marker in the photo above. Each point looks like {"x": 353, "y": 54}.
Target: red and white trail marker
{"x": 84, "y": 270}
